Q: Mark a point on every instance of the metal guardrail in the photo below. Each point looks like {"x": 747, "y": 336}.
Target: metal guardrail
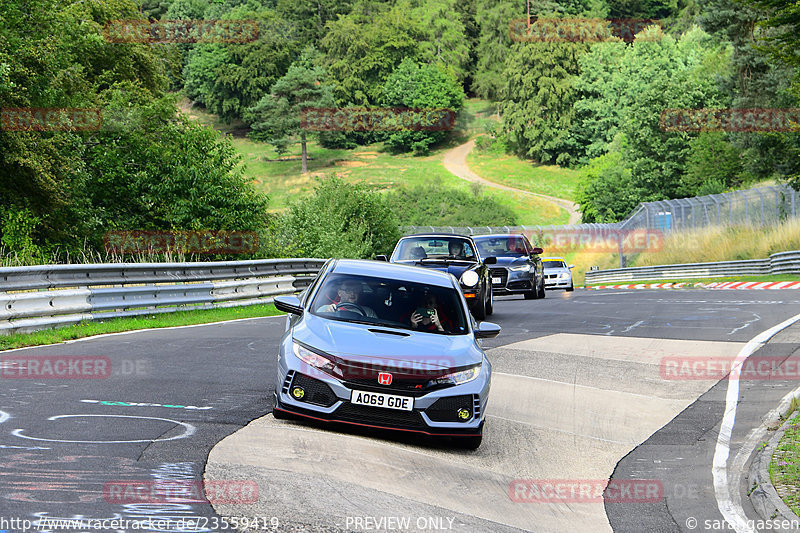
{"x": 779, "y": 263}
{"x": 41, "y": 297}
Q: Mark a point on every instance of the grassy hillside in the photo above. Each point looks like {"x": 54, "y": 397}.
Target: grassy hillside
{"x": 281, "y": 179}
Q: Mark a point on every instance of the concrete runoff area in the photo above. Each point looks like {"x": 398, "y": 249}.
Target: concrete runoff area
{"x": 563, "y": 407}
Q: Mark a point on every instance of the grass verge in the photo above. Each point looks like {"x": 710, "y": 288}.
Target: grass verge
{"x": 784, "y": 466}
{"x": 759, "y": 279}
{"x": 116, "y": 325}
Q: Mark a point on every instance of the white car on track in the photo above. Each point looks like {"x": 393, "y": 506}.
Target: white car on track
{"x": 557, "y": 275}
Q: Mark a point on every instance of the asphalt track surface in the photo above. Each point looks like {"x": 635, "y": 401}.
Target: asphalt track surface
{"x": 578, "y": 387}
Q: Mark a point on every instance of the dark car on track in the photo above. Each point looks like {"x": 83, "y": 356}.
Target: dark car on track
{"x": 356, "y": 351}
{"x": 457, "y": 255}
{"x": 518, "y": 269}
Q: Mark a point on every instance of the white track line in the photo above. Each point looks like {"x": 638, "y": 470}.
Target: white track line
{"x": 734, "y": 514}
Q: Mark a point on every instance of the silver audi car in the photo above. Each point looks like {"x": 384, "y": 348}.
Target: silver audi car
{"x": 387, "y": 346}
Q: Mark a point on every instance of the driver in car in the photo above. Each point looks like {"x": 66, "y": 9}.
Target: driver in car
{"x": 349, "y": 292}
{"x": 456, "y": 250}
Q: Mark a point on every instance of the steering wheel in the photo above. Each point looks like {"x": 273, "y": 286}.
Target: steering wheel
{"x": 355, "y": 307}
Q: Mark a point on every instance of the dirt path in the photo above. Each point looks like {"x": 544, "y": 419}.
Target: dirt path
{"x": 455, "y": 161}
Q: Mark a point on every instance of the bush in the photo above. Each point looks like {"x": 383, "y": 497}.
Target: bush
{"x": 433, "y": 205}
{"x": 338, "y": 220}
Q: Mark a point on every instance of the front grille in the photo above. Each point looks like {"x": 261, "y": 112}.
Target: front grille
{"x": 499, "y": 272}
{"x": 379, "y": 416}
{"x": 410, "y": 387}
{"x": 444, "y": 409}
{"x": 519, "y": 285}
{"x": 552, "y": 276}
{"x": 317, "y": 392}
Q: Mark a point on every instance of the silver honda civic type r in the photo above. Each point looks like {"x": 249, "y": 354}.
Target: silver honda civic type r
{"x": 386, "y": 346}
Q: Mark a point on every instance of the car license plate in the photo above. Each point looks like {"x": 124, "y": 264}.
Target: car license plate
{"x": 378, "y": 399}
{"x": 497, "y": 281}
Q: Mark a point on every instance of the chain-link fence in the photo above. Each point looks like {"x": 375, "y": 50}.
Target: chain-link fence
{"x": 760, "y": 206}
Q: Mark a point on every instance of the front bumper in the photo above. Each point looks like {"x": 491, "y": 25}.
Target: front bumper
{"x": 328, "y": 400}
{"x": 511, "y": 282}
{"x": 556, "y": 283}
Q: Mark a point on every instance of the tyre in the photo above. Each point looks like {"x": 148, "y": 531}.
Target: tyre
{"x": 531, "y": 295}
{"x": 479, "y": 310}
{"x": 490, "y": 305}
{"x": 570, "y": 288}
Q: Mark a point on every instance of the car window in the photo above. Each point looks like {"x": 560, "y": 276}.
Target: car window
{"x": 389, "y": 302}
{"x": 416, "y": 248}
{"x": 554, "y": 264}
{"x": 513, "y": 245}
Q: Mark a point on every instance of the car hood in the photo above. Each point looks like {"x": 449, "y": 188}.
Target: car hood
{"x": 367, "y": 344}
{"x": 556, "y": 270}
{"x": 456, "y": 269}
{"x": 511, "y": 261}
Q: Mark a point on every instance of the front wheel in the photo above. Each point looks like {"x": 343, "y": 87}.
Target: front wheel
{"x": 480, "y": 308}
{"x": 490, "y": 305}
{"x": 570, "y": 288}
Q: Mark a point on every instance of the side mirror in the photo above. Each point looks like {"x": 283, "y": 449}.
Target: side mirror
{"x": 381, "y": 258}
{"x": 289, "y": 304}
{"x": 537, "y": 251}
{"x": 571, "y": 267}
{"x": 487, "y": 330}
{"x": 490, "y": 261}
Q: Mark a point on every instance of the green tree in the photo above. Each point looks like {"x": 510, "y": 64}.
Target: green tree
{"x": 425, "y": 87}
{"x": 712, "y": 166}
{"x": 605, "y": 192}
{"x": 494, "y": 44}
{"x": 230, "y": 78}
{"x": 277, "y": 116}
{"x": 363, "y": 47}
{"x": 537, "y": 98}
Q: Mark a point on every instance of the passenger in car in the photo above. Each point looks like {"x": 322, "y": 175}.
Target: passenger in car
{"x": 429, "y": 317}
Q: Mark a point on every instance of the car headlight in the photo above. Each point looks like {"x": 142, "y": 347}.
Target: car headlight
{"x": 315, "y": 360}
{"x": 564, "y": 275}
{"x": 457, "y": 378}
{"x": 521, "y": 268}
{"x": 470, "y": 278}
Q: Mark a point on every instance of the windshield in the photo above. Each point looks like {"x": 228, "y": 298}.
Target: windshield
{"x": 501, "y": 246}
{"x": 418, "y": 248}
{"x": 554, "y": 264}
{"x": 391, "y": 303}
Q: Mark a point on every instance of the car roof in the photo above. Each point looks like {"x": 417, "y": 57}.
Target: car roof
{"x": 496, "y": 235}
{"x": 394, "y": 271}
{"x": 436, "y": 235}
